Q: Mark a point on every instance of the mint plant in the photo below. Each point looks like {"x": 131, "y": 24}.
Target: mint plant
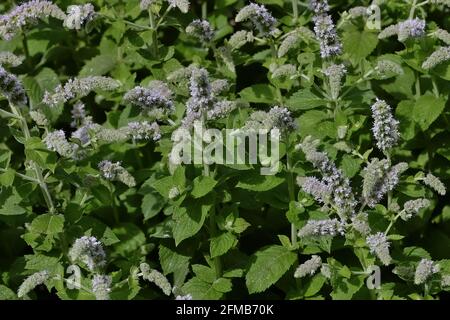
{"x": 224, "y": 149}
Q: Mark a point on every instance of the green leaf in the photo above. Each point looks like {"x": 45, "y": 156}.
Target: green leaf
{"x": 239, "y": 225}
{"x": 131, "y": 238}
{"x": 201, "y": 290}
{"x": 42, "y": 231}
{"x": 45, "y": 80}
{"x": 189, "y": 220}
{"x": 5, "y": 157}
{"x": 39, "y": 262}
{"x": 163, "y": 186}
{"x": 268, "y": 266}
{"x": 6, "y": 293}
{"x": 171, "y": 260}
{"x": 151, "y": 205}
{"x": 99, "y": 65}
{"x": 402, "y": 85}
{"x": 404, "y": 113}
{"x": 222, "y": 285}
{"x": 35, "y": 150}
{"x": 202, "y": 186}
{"x": 344, "y": 288}
{"x": 350, "y": 166}
{"x": 259, "y": 93}
{"x": 309, "y": 122}
{"x": 204, "y": 273}
{"x": 98, "y": 229}
{"x": 10, "y": 208}
{"x": 259, "y": 183}
{"x": 427, "y": 109}
{"x": 304, "y": 99}
{"x": 313, "y": 285}
{"x": 359, "y": 44}
{"x": 7, "y": 178}
{"x": 49, "y": 224}
{"x": 222, "y": 244}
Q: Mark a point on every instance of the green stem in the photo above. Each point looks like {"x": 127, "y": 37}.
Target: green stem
{"x": 435, "y": 87}
{"x": 23, "y": 176}
{"x": 413, "y": 9}
{"x": 161, "y": 20}
{"x": 418, "y": 90}
{"x": 113, "y": 203}
{"x": 291, "y": 190}
{"x": 273, "y": 49}
{"x": 422, "y": 3}
{"x": 26, "y": 50}
{"x": 131, "y": 24}
{"x": 204, "y": 9}
{"x": 154, "y": 32}
{"x": 37, "y": 170}
{"x": 212, "y": 212}
{"x": 391, "y": 224}
{"x": 363, "y": 78}
{"x": 213, "y": 226}
{"x": 295, "y": 10}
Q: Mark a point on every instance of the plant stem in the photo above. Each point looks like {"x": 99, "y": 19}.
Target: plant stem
{"x": 295, "y": 10}
{"x": 204, "y": 9}
{"x": 391, "y": 224}
{"x": 161, "y": 19}
{"x": 418, "y": 90}
{"x": 36, "y": 168}
{"x": 23, "y": 176}
{"x": 212, "y": 224}
{"x": 290, "y": 180}
{"x": 154, "y": 32}
{"x": 413, "y": 9}
{"x": 435, "y": 87}
{"x": 273, "y": 49}
{"x": 212, "y": 212}
{"x": 113, "y": 203}
{"x": 25, "y": 47}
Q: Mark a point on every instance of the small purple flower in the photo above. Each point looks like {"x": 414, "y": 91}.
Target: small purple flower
{"x": 325, "y": 31}
{"x": 259, "y": 16}
{"x": 385, "y": 126}
{"x": 28, "y": 12}
{"x": 12, "y": 88}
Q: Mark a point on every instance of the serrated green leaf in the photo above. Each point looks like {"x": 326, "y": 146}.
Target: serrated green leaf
{"x": 268, "y": 266}
{"x": 259, "y": 183}
{"x": 304, "y": 99}
{"x": 171, "y": 260}
{"x": 259, "y": 93}
{"x": 189, "y": 220}
{"x": 151, "y": 205}
{"x": 202, "y": 186}
{"x": 222, "y": 244}
{"x": 427, "y": 109}
{"x": 201, "y": 290}
{"x": 359, "y": 44}
{"x": 99, "y": 65}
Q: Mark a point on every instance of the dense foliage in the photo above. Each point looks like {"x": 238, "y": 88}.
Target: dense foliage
{"x": 93, "y": 98}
